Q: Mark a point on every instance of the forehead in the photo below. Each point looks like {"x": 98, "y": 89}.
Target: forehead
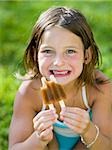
{"x": 59, "y": 35}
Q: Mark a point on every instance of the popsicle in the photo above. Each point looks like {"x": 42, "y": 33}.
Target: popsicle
{"x": 58, "y": 91}
{"x": 47, "y": 96}
{"x": 52, "y": 91}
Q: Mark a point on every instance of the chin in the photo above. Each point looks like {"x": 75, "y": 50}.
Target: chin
{"x": 64, "y": 81}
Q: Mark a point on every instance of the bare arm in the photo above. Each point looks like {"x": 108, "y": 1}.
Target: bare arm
{"x": 22, "y": 135}
{"x": 102, "y": 117}
{"x": 79, "y": 121}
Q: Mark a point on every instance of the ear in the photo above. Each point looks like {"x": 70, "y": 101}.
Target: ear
{"x": 88, "y": 55}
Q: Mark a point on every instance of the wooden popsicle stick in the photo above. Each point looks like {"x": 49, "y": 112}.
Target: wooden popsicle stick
{"x": 62, "y": 104}
{"x": 51, "y": 107}
{"x": 43, "y": 79}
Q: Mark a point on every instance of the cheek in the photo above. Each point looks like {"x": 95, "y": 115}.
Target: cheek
{"x": 77, "y": 60}
{"x": 43, "y": 63}
{"x": 77, "y": 64}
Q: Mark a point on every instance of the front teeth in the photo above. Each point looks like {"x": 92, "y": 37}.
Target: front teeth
{"x": 59, "y": 72}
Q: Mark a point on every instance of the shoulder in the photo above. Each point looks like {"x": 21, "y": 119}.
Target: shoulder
{"x": 27, "y": 104}
{"x": 102, "y": 92}
{"x": 106, "y": 85}
{"x": 29, "y": 85}
{"x": 28, "y": 95}
{"x": 100, "y": 75}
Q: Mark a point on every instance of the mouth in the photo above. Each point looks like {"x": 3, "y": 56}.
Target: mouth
{"x": 60, "y": 73}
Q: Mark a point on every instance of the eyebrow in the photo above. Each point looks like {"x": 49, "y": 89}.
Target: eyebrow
{"x": 68, "y": 46}
{"x": 46, "y": 46}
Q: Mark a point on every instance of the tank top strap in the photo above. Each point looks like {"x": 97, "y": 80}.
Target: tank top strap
{"x": 84, "y": 97}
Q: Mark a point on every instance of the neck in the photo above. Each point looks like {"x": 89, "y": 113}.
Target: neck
{"x": 71, "y": 87}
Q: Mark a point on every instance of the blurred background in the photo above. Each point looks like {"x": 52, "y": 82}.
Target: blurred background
{"x": 17, "y": 18}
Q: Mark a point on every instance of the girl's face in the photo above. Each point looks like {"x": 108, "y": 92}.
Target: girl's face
{"x": 61, "y": 53}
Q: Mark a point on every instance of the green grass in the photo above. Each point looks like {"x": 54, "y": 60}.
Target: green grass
{"x": 16, "y": 21}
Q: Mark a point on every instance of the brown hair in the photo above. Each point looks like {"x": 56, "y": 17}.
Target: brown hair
{"x": 72, "y": 20}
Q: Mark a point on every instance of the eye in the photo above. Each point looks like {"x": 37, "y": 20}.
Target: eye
{"x": 47, "y": 52}
{"x": 70, "y": 51}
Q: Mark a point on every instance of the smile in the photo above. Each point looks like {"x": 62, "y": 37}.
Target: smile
{"x": 61, "y": 73}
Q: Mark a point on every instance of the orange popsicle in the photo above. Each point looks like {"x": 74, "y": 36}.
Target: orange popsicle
{"x": 52, "y": 91}
{"x": 58, "y": 92}
{"x": 46, "y": 94}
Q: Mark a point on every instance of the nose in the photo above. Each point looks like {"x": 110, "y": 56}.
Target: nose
{"x": 59, "y": 61}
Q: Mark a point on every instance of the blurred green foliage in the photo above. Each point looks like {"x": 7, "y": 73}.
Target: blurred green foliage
{"x": 17, "y": 18}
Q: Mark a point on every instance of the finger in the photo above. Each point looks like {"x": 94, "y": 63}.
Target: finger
{"x": 76, "y": 129}
{"x": 45, "y": 120}
{"x": 44, "y": 113}
{"x": 73, "y": 116}
{"x": 46, "y": 133}
{"x": 71, "y": 121}
{"x": 77, "y": 111}
{"x": 77, "y": 126}
{"x": 44, "y": 126}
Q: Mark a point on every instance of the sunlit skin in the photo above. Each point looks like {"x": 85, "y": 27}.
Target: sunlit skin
{"x": 61, "y": 53}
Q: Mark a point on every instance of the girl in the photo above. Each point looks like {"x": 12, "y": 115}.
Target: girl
{"x": 63, "y": 45}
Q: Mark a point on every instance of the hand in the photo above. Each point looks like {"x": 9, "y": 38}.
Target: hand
{"x": 43, "y": 124}
{"x": 76, "y": 118}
